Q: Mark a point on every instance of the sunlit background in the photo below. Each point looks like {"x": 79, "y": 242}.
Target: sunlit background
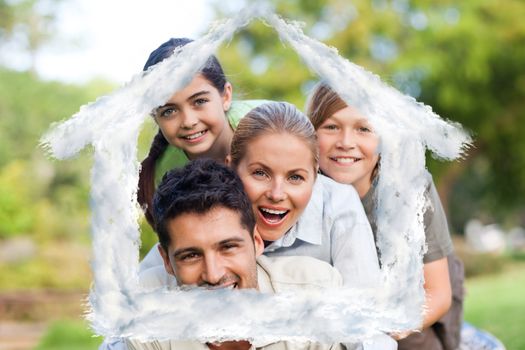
{"x": 465, "y": 59}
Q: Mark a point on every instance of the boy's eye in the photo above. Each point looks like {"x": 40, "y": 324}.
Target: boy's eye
{"x": 364, "y": 129}
{"x": 330, "y": 127}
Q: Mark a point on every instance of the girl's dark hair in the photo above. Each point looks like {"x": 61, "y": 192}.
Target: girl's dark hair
{"x": 214, "y": 73}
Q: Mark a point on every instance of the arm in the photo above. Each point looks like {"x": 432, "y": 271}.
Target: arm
{"x": 437, "y": 289}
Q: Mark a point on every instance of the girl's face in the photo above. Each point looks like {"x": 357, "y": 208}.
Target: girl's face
{"x": 278, "y": 172}
{"x": 347, "y": 149}
{"x": 194, "y": 120}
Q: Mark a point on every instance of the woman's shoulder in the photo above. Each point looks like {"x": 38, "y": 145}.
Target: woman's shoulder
{"x": 336, "y": 198}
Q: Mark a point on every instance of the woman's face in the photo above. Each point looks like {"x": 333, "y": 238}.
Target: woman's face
{"x": 348, "y": 149}
{"x": 278, "y": 172}
{"x": 194, "y": 120}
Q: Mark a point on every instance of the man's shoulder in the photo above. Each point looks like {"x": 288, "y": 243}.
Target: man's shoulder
{"x": 299, "y": 272}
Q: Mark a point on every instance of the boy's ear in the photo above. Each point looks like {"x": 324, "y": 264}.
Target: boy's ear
{"x": 166, "y": 260}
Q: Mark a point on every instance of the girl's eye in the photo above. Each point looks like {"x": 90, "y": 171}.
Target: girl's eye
{"x": 296, "y": 178}
{"x": 200, "y": 101}
{"x": 166, "y": 112}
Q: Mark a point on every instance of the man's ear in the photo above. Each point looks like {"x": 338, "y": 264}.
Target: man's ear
{"x": 258, "y": 242}
{"x": 166, "y": 259}
{"x": 227, "y": 96}
{"x": 228, "y": 160}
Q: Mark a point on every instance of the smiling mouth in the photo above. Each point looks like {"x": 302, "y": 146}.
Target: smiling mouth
{"x": 345, "y": 160}
{"x": 273, "y": 216}
{"x": 194, "y": 136}
{"x": 230, "y": 286}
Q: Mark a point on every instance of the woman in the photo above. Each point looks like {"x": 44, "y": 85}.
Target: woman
{"x": 274, "y": 150}
{"x": 348, "y": 154}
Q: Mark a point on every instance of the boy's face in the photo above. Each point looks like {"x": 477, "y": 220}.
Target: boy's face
{"x": 212, "y": 250}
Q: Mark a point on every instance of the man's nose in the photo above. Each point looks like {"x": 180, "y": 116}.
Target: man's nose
{"x": 214, "y": 269}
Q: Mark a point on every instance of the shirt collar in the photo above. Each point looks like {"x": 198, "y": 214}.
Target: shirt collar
{"x": 309, "y": 227}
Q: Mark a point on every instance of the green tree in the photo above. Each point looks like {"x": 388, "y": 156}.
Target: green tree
{"x": 464, "y": 59}
{"x": 28, "y": 22}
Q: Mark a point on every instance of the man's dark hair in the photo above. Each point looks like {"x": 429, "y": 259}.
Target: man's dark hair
{"x": 198, "y": 187}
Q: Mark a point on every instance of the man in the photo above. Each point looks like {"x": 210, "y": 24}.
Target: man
{"x": 205, "y": 225}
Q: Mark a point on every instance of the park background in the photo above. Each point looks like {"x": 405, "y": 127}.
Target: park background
{"x": 465, "y": 59}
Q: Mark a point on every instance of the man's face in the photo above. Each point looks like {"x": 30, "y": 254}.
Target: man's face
{"x": 212, "y": 250}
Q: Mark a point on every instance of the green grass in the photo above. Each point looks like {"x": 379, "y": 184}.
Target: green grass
{"x": 496, "y": 303}
{"x": 69, "y": 335}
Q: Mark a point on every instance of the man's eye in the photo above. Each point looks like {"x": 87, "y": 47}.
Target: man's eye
{"x": 189, "y": 257}
{"x": 228, "y": 247}
{"x": 365, "y": 129}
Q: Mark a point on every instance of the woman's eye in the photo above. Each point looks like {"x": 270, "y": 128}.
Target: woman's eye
{"x": 259, "y": 173}
{"x": 296, "y": 178}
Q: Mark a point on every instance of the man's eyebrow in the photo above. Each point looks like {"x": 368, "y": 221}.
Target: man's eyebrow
{"x": 230, "y": 240}
{"x": 181, "y": 251}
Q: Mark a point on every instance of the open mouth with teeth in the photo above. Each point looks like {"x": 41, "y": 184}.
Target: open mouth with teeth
{"x": 345, "y": 160}
{"x": 273, "y": 216}
{"x": 195, "y": 137}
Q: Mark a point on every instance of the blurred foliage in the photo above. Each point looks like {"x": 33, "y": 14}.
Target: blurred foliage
{"x": 69, "y": 335}
{"x": 28, "y": 23}
{"x": 465, "y": 59}
{"x": 40, "y": 198}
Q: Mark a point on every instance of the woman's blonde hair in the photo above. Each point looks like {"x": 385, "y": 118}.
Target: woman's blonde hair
{"x": 271, "y": 118}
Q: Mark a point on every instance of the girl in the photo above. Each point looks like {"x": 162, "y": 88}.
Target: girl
{"x": 347, "y": 147}
{"x": 196, "y": 122}
{"x": 274, "y": 151}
